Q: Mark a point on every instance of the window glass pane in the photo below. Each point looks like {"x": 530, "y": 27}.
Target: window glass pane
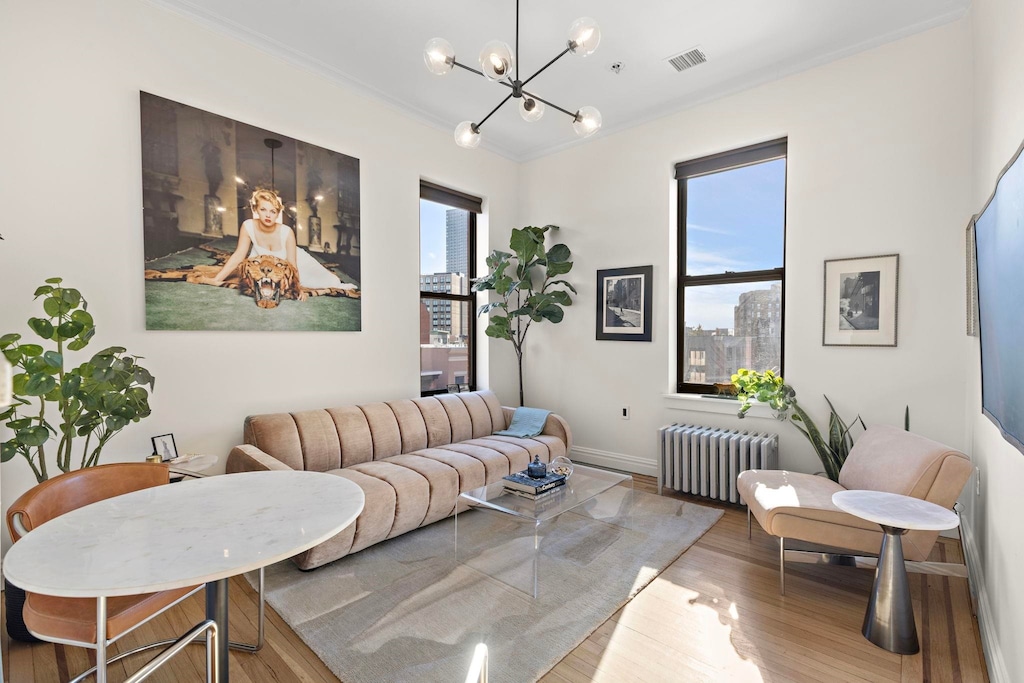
{"x": 444, "y": 248}
{"x": 729, "y": 327}
{"x": 735, "y": 219}
{"x": 444, "y": 343}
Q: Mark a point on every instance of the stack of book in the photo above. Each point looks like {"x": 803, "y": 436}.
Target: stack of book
{"x": 521, "y": 484}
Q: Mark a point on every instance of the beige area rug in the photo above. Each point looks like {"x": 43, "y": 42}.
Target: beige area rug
{"x": 406, "y": 610}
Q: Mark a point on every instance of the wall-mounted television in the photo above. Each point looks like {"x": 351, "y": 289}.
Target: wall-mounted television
{"x": 999, "y": 245}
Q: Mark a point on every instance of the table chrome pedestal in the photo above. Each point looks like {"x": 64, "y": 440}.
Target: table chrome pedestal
{"x": 889, "y": 619}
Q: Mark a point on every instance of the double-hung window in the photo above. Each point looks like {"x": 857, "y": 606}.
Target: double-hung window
{"x": 447, "y": 300}
{"x": 732, "y": 230}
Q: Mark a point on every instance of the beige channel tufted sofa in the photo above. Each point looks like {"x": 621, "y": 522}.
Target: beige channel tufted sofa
{"x": 412, "y": 458}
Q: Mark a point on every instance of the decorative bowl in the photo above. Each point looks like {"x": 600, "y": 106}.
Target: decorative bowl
{"x": 560, "y": 465}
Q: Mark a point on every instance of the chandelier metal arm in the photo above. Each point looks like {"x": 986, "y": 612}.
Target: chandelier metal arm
{"x": 538, "y": 72}
{"x": 553, "y": 106}
{"x": 467, "y": 68}
{"x": 494, "y": 110}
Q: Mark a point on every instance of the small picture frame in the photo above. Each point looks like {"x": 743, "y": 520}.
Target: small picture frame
{"x": 624, "y": 303}
{"x": 163, "y": 446}
{"x": 860, "y": 300}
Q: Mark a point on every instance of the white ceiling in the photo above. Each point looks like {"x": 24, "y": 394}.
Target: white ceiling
{"x": 376, "y": 47}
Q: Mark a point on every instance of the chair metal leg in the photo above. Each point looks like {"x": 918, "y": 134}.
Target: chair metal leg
{"x": 782, "y": 565}
{"x": 244, "y": 647}
{"x": 967, "y": 564}
{"x": 210, "y": 629}
{"x": 101, "y": 639}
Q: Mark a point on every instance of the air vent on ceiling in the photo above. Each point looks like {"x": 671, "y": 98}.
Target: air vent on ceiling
{"x": 688, "y": 59}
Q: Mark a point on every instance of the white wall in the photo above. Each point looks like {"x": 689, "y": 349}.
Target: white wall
{"x": 879, "y": 160}
{"x": 995, "y": 532}
{"x": 71, "y": 184}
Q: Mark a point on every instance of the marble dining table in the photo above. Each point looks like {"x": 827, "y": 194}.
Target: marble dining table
{"x": 201, "y": 531}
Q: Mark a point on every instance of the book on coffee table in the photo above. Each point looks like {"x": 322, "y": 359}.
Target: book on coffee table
{"x": 521, "y": 481}
{"x": 547, "y": 493}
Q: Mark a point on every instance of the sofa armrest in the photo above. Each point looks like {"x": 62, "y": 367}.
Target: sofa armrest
{"x": 246, "y": 458}
{"x": 554, "y": 426}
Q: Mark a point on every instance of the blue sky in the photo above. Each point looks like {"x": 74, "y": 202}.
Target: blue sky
{"x": 432, "y": 237}
{"x": 734, "y": 222}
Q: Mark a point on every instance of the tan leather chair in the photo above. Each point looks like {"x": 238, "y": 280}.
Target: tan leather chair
{"x": 74, "y": 621}
{"x": 792, "y": 505}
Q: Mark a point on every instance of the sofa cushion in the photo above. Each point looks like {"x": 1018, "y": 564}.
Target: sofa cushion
{"x": 412, "y": 428}
{"x": 442, "y": 479}
{"x": 435, "y": 420}
{"x": 354, "y": 437}
{"x": 458, "y": 417}
{"x": 387, "y": 437}
{"x": 411, "y": 493}
{"x": 471, "y": 471}
{"x": 275, "y": 435}
{"x": 318, "y": 440}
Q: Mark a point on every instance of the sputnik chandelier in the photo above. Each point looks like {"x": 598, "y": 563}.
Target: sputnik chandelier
{"x": 498, "y": 63}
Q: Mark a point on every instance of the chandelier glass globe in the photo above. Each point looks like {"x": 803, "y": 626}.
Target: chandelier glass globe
{"x": 496, "y": 60}
{"x": 584, "y": 36}
{"x": 467, "y": 135}
{"x": 587, "y": 122}
{"x": 439, "y": 56}
{"x": 530, "y": 109}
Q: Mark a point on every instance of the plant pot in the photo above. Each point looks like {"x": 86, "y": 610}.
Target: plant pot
{"x": 14, "y": 601}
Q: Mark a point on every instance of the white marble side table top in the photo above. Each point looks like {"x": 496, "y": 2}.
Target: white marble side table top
{"x": 173, "y": 536}
{"x": 895, "y": 510}
{"x": 195, "y": 463}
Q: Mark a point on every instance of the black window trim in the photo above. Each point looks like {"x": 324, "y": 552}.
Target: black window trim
{"x": 474, "y": 205}
{"x": 715, "y": 163}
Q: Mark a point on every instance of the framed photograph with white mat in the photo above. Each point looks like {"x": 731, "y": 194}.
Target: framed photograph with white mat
{"x": 861, "y": 296}
{"x": 624, "y": 303}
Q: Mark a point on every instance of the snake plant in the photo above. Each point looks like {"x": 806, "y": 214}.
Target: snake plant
{"x": 768, "y": 387}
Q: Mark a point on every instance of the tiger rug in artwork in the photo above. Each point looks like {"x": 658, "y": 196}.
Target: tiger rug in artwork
{"x": 267, "y": 279}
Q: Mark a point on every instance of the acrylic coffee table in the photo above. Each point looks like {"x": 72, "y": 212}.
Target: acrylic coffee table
{"x": 580, "y": 494}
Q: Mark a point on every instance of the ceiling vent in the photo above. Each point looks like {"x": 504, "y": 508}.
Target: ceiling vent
{"x": 688, "y": 59}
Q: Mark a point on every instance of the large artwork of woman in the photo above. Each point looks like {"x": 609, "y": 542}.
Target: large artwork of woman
{"x": 228, "y": 243}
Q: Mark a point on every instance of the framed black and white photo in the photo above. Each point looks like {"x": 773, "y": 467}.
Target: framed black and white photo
{"x": 624, "y": 303}
{"x": 861, "y": 301}
{"x": 163, "y": 446}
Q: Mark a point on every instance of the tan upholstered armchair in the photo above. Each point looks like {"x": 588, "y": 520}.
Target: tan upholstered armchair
{"x": 798, "y": 506}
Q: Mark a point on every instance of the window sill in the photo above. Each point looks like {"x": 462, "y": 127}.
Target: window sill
{"x": 701, "y": 404}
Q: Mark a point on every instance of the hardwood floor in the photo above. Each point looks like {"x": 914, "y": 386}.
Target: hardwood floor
{"x": 715, "y": 614}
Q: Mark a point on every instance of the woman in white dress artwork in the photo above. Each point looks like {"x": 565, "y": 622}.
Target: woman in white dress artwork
{"x": 265, "y": 235}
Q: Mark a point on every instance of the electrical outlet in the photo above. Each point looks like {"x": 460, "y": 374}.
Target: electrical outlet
{"x": 625, "y": 412}
{"x": 977, "y": 481}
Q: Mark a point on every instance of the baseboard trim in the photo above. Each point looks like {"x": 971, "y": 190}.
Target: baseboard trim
{"x": 614, "y": 461}
{"x": 997, "y": 672}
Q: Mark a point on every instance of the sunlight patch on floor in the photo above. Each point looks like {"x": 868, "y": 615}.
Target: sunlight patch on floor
{"x": 696, "y": 640}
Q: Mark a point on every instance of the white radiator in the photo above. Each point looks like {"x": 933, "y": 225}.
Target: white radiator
{"x": 705, "y": 460}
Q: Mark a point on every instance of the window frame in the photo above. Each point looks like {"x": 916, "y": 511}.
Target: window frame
{"x": 454, "y": 199}
{"x": 716, "y": 163}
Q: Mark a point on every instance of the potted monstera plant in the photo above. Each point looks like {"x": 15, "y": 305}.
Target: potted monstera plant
{"x": 72, "y": 409}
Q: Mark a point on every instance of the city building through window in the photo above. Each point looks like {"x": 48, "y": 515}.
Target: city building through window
{"x": 732, "y": 229}
{"x": 447, "y": 302}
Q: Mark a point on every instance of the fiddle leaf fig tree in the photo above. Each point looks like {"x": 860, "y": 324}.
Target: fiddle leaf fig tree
{"x": 528, "y": 285}
{"x": 94, "y": 400}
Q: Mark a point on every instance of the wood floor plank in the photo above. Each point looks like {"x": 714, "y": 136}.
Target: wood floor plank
{"x": 714, "y": 615}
